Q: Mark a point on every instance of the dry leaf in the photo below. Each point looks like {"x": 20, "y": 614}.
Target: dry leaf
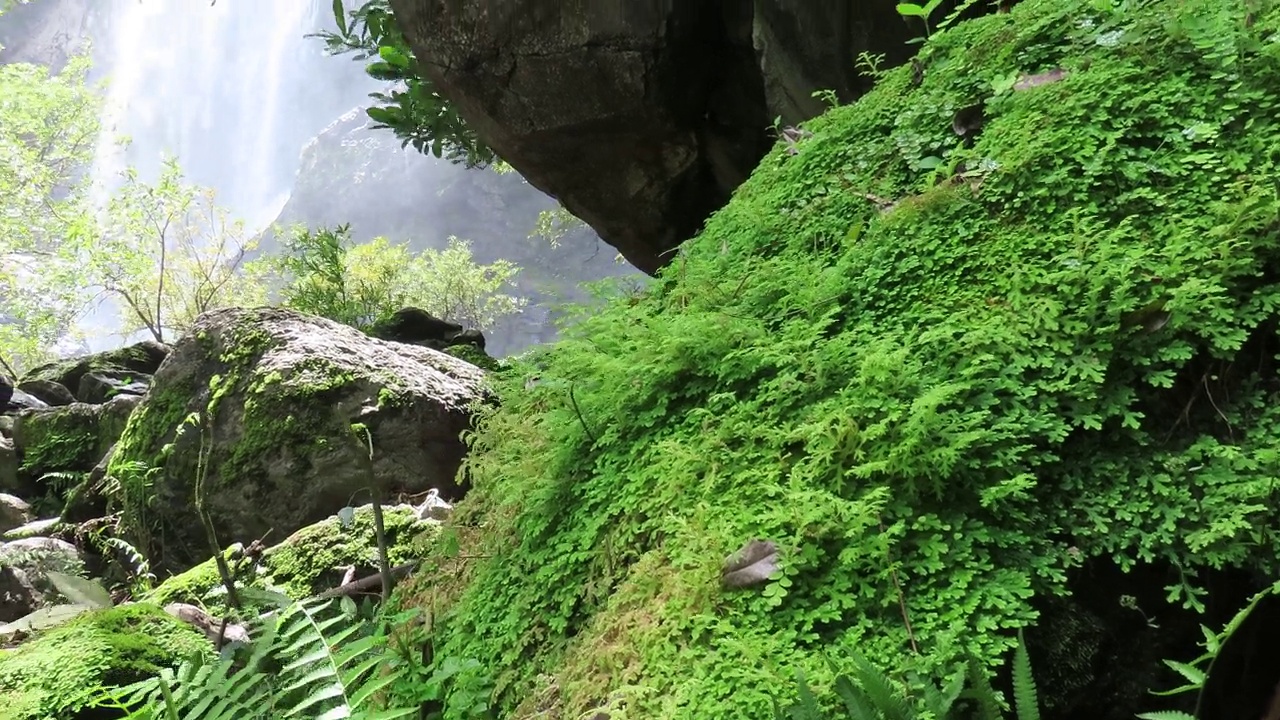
{"x": 754, "y": 564}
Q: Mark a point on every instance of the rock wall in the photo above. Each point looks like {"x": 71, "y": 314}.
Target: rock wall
{"x": 353, "y": 174}
{"x": 642, "y": 118}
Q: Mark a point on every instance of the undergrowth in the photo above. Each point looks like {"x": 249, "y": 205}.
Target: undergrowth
{"x": 939, "y": 370}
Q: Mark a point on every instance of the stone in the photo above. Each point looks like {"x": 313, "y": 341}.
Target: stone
{"x": 18, "y": 596}
{"x": 33, "y": 529}
{"x": 14, "y": 512}
{"x": 142, "y": 358}
{"x": 70, "y": 438}
{"x": 21, "y": 400}
{"x": 6, "y": 391}
{"x": 38, "y": 556}
{"x": 99, "y": 386}
{"x": 49, "y": 391}
{"x": 418, "y": 327}
{"x": 298, "y": 404}
{"x": 9, "y": 464}
{"x": 641, "y": 119}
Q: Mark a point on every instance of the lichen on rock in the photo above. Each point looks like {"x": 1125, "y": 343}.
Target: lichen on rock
{"x": 280, "y": 402}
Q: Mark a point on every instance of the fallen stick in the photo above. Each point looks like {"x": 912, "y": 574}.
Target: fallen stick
{"x": 398, "y": 572}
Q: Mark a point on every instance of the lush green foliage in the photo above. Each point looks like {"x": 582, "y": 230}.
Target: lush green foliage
{"x": 941, "y": 370}
{"x": 415, "y": 112}
{"x": 168, "y": 253}
{"x": 54, "y": 676}
{"x": 325, "y": 274}
{"x": 305, "y": 661}
{"x": 48, "y": 123}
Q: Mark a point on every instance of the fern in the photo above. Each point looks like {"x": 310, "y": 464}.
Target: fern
{"x": 1024, "y": 685}
{"x": 324, "y": 672}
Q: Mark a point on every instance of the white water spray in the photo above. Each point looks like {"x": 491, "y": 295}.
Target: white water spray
{"x": 233, "y": 90}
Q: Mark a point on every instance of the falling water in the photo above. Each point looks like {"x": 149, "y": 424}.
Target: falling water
{"x": 232, "y": 89}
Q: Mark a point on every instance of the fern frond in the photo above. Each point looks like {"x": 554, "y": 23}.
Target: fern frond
{"x": 885, "y": 697}
{"x": 1026, "y": 703}
{"x": 325, "y": 673}
{"x": 1167, "y": 715}
{"x": 990, "y": 707}
{"x": 856, "y": 702}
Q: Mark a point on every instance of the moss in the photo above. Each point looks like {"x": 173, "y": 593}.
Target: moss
{"x": 473, "y": 355}
{"x": 51, "y": 676}
{"x": 940, "y": 371}
{"x": 311, "y": 560}
{"x": 194, "y": 586}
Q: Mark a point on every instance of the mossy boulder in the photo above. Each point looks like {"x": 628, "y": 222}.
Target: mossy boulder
{"x": 1012, "y": 312}
{"x": 310, "y": 560}
{"x": 67, "y": 439}
{"x": 286, "y": 410}
{"x": 52, "y": 676}
{"x": 140, "y": 359}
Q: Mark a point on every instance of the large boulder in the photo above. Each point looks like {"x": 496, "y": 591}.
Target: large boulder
{"x": 66, "y": 439}
{"x": 287, "y": 409}
{"x": 641, "y": 118}
{"x": 89, "y": 377}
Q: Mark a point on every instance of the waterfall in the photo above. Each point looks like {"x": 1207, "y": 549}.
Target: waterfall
{"x": 232, "y": 88}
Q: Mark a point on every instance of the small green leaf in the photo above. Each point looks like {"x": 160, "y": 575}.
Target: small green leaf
{"x": 340, "y": 16}
{"x": 910, "y": 10}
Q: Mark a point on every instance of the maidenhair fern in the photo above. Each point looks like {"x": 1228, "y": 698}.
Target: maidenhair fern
{"x": 300, "y": 665}
{"x": 870, "y": 694}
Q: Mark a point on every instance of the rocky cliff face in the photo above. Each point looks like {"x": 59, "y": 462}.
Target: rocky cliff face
{"x": 641, "y": 118}
{"x": 352, "y": 174}
{"x": 47, "y": 32}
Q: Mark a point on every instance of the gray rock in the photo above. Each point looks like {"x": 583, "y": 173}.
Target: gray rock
{"x": 14, "y": 512}
{"x": 26, "y": 401}
{"x": 70, "y": 438}
{"x": 19, "y": 597}
{"x": 282, "y": 449}
{"x": 38, "y": 556}
{"x": 140, "y": 359}
{"x": 33, "y": 529}
{"x": 642, "y": 118}
{"x": 50, "y": 392}
{"x": 99, "y": 386}
{"x": 8, "y": 465}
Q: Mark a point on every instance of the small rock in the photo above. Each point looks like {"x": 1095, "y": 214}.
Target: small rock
{"x": 25, "y": 401}
{"x": 32, "y": 529}
{"x": 18, "y": 595}
{"x": 434, "y": 507}
{"x": 39, "y": 555}
{"x": 8, "y": 465}
{"x": 51, "y": 392}
{"x": 14, "y": 512}
{"x": 6, "y": 391}
{"x": 99, "y": 386}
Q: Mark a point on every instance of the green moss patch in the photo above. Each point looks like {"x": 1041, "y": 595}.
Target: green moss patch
{"x": 52, "y": 676}
{"x": 940, "y": 370}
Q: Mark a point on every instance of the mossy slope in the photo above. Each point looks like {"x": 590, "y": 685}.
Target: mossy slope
{"x": 50, "y": 677}
{"x": 941, "y": 371}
